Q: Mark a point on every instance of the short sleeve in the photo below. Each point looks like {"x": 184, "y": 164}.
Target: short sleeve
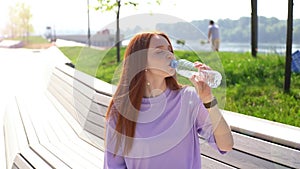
{"x": 203, "y": 123}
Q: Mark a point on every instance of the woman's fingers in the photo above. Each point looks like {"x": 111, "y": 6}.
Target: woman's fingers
{"x": 201, "y": 66}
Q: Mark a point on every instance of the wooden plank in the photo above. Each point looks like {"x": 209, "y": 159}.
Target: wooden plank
{"x": 32, "y": 137}
{"x": 209, "y": 163}
{"x": 78, "y": 110}
{"x": 74, "y": 97}
{"x": 239, "y": 159}
{"x": 267, "y": 150}
{"x": 90, "y": 139}
{"x": 20, "y": 162}
{"x": 75, "y": 125}
{"x": 77, "y": 94}
{"x": 274, "y": 132}
{"x": 96, "y": 119}
{"x": 48, "y": 156}
{"x": 74, "y": 83}
{"x": 15, "y": 138}
{"x": 34, "y": 159}
{"x": 94, "y": 140}
{"x": 61, "y": 142}
{"x": 98, "y": 109}
{"x": 71, "y": 140}
{"x": 68, "y": 106}
{"x": 68, "y": 159}
{"x": 49, "y": 139}
{"x": 101, "y": 99}
{"x": 100, "y": 86}
{"x": 94, "y": 129}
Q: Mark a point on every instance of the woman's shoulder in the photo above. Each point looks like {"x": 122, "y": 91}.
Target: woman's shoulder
{"x": 188, "y": 90}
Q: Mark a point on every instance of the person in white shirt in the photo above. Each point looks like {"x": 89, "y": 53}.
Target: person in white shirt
{"x": 214, "y": 35}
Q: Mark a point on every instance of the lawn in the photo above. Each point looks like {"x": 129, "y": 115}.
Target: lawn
{"x": 252, "y": 86}
{"x": 34, "y": 42}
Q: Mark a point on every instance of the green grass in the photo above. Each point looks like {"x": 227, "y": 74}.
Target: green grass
{"x": 33, "y": 39}
{"x": 252, "y": 86}
{"x": 34, "y": 42}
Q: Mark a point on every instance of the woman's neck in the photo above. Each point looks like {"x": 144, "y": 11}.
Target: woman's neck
{"x": 155, "y": 87}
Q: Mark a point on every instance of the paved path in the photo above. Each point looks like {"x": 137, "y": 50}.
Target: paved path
{"x": 24, "y": 72}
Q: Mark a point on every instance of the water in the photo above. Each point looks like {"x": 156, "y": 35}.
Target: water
{"x": 266, "y": 48}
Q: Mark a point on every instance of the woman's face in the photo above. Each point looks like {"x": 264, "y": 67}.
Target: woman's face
{"x": 160, "y": 56}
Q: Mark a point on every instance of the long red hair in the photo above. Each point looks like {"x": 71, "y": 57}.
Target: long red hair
{"x": 126, "y": 101}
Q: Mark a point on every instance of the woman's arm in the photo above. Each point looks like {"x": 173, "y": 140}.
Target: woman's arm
{"x": 221, "y": 129}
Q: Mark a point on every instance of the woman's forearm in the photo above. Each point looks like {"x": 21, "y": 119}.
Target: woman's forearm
{"x": 222, "y": 131}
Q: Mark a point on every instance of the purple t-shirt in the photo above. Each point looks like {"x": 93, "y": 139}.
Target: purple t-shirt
{"x": 166, "y": 134}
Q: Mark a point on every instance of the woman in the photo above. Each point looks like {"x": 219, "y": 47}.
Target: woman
{"x": 154, "y": 122}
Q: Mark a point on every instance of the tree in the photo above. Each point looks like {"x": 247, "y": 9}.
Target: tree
{"x": 289, "y": 40}
{"x": 19, "y": 21}
{"x": 254, "y": 27}
{"x": 109, "y": 5}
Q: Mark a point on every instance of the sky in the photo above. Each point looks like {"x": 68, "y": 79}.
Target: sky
{"x": 72, "y": 14}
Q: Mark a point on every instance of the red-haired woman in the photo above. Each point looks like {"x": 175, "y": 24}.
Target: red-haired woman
{"x": 154, "y": 122}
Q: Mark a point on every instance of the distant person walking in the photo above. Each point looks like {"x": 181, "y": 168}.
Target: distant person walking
{"x": 214, "y": 35}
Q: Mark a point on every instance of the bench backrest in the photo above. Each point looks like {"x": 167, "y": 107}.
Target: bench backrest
{"x": 77, "y": 93}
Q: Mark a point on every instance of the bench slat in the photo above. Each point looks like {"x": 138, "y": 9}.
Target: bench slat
{"x": 74, "y": 83}
{"x": 71, "y": 140}
{"x": 239, "y": 159}
{"x": 96, "y": 142}
{"x": 35, "y": 160}
{"x": 267, "y": 150}
{"x": 15, "y": 138}
{"x": 94, "y": 129}
{"x": 67, "y": 88}
{"x": 20, "y": 162}
{"x": 101, "y": 99}
{"x": 92, "y": 82}
{"x": 98, "y": 109}
{"x": 49, "y": 139}
{"x": 264, "y": 129}
{"x": 66, "y": 143}
{"x": 96, "y": 119}
{"x": 68, "y": 106}
{"x": 72, "y": 96}
{"x": 32, "y": 137}
{"x": 209, "y": 163}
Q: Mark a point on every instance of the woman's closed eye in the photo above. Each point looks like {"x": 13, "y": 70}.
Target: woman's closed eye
{"x": 159, "y": 51}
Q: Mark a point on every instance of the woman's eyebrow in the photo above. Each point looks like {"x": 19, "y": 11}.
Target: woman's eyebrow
{"x": 162, "y": 46}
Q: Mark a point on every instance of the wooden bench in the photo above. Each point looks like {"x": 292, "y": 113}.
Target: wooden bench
{"x": 64, "y": 128}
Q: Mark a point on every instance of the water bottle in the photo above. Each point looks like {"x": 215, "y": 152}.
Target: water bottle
{"x": 187, "y": 69}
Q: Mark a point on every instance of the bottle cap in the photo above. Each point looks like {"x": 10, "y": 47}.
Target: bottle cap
{"x": 174, "y": 63}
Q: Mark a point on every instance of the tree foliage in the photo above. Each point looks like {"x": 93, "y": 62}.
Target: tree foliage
{"x": 270, "y": 30}
{"x": 19, "y": 21}
{"x": 109, "y": 5}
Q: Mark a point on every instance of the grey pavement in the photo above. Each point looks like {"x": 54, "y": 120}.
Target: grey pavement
{"x": 25, "y": 72}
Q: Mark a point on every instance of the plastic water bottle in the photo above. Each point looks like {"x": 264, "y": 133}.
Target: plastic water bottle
{"x": 187, "y": 69}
